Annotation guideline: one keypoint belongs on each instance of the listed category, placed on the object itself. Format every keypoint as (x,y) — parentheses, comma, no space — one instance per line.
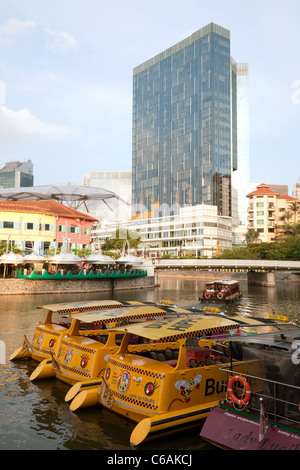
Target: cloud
(22,125)
(60,41)
(13,29)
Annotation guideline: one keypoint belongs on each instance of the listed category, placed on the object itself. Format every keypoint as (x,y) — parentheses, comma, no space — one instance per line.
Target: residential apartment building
(267,210)
(185,124)
(44,224)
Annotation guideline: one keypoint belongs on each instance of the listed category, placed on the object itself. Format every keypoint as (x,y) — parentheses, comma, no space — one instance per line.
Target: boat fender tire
(220,295)
(207,295)
(246,386)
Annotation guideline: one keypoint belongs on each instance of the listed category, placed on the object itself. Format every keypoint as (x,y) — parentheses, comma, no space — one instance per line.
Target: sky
(66,71)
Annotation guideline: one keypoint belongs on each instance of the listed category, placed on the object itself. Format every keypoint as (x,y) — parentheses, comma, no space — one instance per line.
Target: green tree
(252,235)
(116,241)
(295,208)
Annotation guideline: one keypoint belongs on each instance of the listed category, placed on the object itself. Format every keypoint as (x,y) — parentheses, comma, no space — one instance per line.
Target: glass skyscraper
(182,133)
(240,137)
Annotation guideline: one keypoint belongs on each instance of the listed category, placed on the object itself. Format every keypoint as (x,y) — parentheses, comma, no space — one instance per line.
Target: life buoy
(246,386)
(220,295)
(207,295)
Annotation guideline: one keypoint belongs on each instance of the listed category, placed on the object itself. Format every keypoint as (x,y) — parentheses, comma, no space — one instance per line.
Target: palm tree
(287,216)
(252,235)
(295,207)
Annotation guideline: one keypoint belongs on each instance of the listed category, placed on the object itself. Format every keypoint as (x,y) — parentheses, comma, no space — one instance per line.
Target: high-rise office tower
(182,133)
(17,174)
(240,139)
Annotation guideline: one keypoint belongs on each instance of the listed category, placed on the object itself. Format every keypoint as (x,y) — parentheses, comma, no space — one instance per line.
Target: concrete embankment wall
(26,286)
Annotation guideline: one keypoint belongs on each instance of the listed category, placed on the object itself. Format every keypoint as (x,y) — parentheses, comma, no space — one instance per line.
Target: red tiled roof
(45,207)
(288,198)
(262,190)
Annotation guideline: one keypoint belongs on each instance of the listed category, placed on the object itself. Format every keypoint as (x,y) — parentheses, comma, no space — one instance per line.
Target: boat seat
(161,357)
(192,363)
(169,354)
(224,359)
(153,355)
(171,362)
(209,362)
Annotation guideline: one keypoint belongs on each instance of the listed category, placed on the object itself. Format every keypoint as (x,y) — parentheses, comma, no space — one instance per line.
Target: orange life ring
(220,295)
(247,389)
(207,295)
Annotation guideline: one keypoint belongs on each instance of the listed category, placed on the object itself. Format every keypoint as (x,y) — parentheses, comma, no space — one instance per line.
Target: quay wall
(30,286)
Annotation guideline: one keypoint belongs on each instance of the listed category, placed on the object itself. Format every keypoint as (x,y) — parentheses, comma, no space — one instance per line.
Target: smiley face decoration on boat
(124,381)
(68,356)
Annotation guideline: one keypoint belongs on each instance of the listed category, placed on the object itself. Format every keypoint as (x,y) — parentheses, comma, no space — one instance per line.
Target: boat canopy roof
(283,338)
(127,313)
(181,327)
(71,307)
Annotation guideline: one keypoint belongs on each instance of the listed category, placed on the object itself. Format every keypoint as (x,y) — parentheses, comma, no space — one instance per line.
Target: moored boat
(261,408)
(169,384)
(83,349)
(221,291)
(48,333)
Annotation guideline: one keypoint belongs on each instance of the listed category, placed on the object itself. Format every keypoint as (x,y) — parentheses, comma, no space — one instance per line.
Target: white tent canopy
(69,194)
(65,258)
(99,258)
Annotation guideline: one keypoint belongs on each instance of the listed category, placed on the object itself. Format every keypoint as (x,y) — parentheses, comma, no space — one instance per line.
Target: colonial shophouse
(44,224)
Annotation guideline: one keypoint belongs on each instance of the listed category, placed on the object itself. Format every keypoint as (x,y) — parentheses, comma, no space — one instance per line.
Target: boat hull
(228,429)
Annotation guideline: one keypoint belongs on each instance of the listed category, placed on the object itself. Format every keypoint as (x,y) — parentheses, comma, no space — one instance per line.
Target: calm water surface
(33,415)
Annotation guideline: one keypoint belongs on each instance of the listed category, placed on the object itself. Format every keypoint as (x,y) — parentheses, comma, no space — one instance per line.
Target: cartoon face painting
(186,387)
(123,381)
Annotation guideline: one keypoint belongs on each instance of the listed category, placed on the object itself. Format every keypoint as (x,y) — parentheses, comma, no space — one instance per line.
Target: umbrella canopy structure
(34,258)
(72,195)
(11,258)
(130,260)
(99,258)
(65,258)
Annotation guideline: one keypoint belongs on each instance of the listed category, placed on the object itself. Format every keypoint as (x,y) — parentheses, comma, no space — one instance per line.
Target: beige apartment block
(268,210)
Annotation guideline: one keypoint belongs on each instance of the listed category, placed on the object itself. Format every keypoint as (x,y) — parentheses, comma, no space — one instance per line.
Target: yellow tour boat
(172,381)
(48,333)
(83,348)
(167,384)
(91,380)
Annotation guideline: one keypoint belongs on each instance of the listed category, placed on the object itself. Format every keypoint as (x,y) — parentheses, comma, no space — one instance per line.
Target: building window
(86,231)
(30,226)
(61,228)
(260,213)
(74,229)
(8,225)
(259,204)
(47,227)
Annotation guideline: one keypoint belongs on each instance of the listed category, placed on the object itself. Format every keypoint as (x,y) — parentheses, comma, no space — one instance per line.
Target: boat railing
(281,400)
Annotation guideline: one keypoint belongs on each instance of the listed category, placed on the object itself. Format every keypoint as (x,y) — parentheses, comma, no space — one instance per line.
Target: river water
(34,415)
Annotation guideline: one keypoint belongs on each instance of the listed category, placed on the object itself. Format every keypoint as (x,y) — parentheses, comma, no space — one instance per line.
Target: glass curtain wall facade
(240,137)
(182,124)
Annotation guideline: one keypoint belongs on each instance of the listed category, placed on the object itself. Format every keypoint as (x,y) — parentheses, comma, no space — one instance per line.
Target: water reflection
(35,415)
